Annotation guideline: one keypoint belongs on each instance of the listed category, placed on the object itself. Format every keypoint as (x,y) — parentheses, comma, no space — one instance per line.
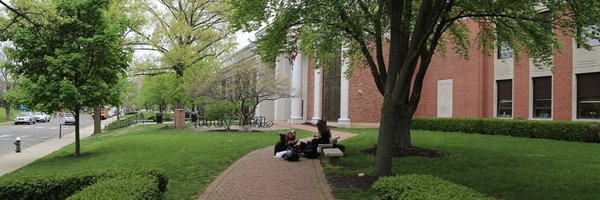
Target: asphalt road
(36,133)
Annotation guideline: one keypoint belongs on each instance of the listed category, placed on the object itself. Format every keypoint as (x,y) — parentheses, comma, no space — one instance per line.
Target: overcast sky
(243,39)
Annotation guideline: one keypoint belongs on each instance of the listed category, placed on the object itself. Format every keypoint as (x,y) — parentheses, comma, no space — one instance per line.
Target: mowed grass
(501,166)
(192,159)
(11,117)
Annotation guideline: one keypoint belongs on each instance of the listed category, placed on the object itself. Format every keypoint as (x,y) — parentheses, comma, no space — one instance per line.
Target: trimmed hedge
(422,187)
(557,130)
(136,187)
(65,184)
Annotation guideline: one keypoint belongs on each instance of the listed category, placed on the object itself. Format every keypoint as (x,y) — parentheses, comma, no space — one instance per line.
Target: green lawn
(501,166)
(11,118)
(192,159)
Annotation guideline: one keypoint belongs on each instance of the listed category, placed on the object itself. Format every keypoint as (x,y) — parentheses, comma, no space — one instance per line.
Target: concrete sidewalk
(13,161)
(258,176)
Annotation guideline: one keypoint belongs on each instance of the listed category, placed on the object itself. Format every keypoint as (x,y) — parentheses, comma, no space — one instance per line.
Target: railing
(128,120)
(209,123)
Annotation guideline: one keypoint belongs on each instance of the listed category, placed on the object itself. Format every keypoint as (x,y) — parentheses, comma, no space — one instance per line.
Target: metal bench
(333,154)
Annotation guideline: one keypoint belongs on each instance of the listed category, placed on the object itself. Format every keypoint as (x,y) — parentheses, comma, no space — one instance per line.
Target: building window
(504,51)
(504,101)
(542,97)
(588,96)
(590,32)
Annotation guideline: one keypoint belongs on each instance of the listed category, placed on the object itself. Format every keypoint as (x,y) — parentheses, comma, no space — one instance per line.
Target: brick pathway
(260,176)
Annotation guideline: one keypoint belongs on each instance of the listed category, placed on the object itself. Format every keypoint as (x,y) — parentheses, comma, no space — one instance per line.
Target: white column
(281,107)
(317,96)
(296,105)
(344,121)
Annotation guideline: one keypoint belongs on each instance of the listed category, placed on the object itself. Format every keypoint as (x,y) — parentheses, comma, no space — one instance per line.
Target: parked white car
(42,116)
(25,117)
(69,119)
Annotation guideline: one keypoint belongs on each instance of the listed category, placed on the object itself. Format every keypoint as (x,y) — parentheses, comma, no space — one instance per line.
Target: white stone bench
(320,147)
(333,154)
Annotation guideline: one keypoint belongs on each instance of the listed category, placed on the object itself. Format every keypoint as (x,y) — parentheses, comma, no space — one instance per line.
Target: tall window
(542,97)
(504,101)
(588,96)
(504,51)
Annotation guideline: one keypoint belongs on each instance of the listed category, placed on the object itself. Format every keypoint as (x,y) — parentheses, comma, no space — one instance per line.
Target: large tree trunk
(7,110)
(97,126)
(77,144)
(388,127)
(402,137)
(245,122)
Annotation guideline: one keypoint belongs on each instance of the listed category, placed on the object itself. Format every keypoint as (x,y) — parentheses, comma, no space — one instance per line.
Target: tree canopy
(72,56)
(184,32)
(410,32)
(247,83)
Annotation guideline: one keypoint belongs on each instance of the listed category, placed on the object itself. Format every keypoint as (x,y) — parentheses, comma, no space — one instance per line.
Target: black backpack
(291,156)
(311,151)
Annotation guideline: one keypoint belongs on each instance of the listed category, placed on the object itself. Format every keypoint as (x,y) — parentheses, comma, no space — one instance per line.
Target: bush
(422,187)
(136,187)
(63,185)
(222,111)
(557,130)
(131,113)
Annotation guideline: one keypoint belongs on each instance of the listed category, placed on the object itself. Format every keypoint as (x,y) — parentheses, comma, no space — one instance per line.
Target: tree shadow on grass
(407,152)
(71,156)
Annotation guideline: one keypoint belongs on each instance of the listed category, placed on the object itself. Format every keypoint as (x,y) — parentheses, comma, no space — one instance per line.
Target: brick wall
(364,103)
(521,88)
(469,83)
(563,77)
(487,87)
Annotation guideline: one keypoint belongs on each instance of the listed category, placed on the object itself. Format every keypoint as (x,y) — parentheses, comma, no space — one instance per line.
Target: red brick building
(485,86)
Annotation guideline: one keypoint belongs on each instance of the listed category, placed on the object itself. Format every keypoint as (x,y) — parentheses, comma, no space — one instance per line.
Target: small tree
(249,83)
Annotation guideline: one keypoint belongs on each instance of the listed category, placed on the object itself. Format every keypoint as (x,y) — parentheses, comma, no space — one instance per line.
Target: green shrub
(152,116)
(422,187)
(136,187)
(223,111)
(51,186)
(167,116)
(557,130)
(65,184)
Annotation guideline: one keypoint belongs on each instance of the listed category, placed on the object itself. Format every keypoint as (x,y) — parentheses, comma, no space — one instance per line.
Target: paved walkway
(13,161)
(259,176)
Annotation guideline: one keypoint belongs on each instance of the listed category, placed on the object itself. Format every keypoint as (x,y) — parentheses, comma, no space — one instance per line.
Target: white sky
(244,38)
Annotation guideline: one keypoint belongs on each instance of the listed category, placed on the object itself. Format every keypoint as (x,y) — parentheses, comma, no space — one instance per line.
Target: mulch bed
(365,182)
(351,182)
